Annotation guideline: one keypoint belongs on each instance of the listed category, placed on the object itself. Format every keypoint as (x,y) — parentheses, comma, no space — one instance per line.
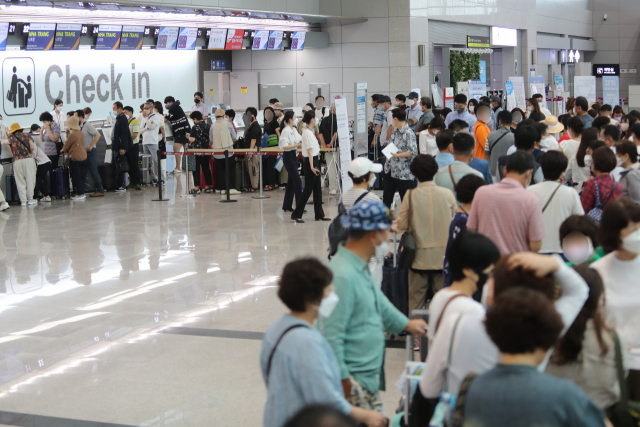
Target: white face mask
(546,143)
(471,108)
(529,108)
(328,304)
(396,103)
(579,254)
(631,243)
(59,108)
(372,180)
(383,248)
(410,102)
(624,127)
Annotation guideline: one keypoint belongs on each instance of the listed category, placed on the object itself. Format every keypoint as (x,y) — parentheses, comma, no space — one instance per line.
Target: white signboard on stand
(518,91)
(360,131)
(344,144)
(511,96)
(585,86)
(436,96)
(463,88)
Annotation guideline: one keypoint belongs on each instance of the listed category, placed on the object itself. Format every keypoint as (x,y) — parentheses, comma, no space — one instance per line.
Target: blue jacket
(120,135)
(482,166)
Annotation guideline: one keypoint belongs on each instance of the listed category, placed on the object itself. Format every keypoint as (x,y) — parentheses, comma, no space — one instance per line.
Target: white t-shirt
(621,306)
(289,136)
(427,143)
(309,140)
(473,350)
(463,304)
(149,128)
(545,111)
(40,156)
(565,203)
(570,148)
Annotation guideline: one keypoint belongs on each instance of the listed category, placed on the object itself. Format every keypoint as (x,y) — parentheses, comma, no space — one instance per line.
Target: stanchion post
(186,162)
(159,199)
(226,178)
(260,196)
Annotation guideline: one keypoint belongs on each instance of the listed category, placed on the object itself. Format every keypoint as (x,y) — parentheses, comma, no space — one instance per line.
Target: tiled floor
(124,311)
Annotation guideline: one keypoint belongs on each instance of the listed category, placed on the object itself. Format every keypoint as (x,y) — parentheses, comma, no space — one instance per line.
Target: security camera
(605,17)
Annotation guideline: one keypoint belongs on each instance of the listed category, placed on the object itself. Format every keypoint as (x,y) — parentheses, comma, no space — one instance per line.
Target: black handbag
(123,164)
(625,413)
(408,248)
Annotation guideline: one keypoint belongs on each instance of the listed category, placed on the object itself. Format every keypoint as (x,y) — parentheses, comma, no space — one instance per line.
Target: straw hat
(554,125)
(73,123)
(14,128)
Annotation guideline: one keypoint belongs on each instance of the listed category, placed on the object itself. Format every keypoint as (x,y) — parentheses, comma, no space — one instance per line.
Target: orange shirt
(480,132)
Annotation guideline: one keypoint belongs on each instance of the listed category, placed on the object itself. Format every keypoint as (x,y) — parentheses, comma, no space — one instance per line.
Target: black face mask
(196,101)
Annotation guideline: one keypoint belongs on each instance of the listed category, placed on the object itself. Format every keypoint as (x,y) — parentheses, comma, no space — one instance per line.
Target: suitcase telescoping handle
(410,352)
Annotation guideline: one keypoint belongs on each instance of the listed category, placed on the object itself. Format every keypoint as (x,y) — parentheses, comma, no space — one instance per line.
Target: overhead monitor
(297,40)
(187,38)
(67,37)
(131,38)
(260,40)
(41,36)
(108,37)
(275,40)
(234,40)
(504,36)
(167,38)
(217,38)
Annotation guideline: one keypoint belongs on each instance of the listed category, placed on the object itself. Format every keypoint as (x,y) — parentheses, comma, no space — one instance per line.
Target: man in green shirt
(355,329)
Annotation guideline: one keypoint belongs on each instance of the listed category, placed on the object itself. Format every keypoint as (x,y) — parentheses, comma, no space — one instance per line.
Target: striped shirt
(507,214)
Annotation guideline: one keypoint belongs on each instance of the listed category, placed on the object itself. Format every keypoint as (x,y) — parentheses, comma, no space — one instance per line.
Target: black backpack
(337,233)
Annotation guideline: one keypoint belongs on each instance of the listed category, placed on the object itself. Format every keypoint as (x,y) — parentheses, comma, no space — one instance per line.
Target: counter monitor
(234,39)
(41,36)
(260,40)
(167,38)
(131,38)
(297,40)
(217,38)
(108,37)
(67,37)
(275,40)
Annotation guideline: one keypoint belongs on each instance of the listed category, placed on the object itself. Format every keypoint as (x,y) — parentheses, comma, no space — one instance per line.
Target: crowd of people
(527,244)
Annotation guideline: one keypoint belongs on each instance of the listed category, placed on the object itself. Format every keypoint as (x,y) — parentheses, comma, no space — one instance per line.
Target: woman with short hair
(297,363)
(24,167)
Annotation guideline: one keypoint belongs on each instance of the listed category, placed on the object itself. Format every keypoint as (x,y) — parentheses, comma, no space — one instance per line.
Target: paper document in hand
(389,150)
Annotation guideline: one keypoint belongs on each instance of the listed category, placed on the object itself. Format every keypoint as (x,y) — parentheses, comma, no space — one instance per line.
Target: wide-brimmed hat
(73,123)
(14,128)
(367,215)
(278,106)
(554,125)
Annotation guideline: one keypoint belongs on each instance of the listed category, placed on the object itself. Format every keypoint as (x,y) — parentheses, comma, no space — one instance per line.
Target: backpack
(596,213)
(272,140)
(337,233)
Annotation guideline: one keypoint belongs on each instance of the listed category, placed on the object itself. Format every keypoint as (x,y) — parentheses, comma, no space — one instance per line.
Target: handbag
(625,413)
(123,164)
(407,253)
(596,213)
(190,161)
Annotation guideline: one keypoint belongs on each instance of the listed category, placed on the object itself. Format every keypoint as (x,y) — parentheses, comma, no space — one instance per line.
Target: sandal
(268,188)
(250,190)
(194,192)
(207,190)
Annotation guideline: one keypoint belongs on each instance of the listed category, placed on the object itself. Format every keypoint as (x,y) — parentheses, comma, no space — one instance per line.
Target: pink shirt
(507,214)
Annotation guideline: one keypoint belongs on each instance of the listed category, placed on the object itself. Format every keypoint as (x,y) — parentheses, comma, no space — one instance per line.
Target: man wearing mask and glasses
(460,103)
(414,112)
(199,105)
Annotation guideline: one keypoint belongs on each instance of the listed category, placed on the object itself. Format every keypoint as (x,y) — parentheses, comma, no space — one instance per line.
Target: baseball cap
(384,98)
(219,112)
(413,95)
(362,166)
(367,215)
(494,98)
(278,106)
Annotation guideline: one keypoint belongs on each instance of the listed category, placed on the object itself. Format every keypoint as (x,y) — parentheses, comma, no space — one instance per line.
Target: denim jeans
(78,175)
(92,166)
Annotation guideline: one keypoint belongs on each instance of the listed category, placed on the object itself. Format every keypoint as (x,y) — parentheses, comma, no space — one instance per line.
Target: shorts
(363,398)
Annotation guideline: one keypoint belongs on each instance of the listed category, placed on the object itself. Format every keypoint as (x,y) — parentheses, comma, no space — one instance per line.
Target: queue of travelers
(529,281)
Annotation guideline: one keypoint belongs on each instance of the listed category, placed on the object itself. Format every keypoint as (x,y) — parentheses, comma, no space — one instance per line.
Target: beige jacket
(433,209)
(220,136)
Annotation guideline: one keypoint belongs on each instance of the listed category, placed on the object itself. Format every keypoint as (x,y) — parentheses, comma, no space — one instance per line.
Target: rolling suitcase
(60,183)
(145,175)
(89,183)
(107,173)
(11,190)
(395,282)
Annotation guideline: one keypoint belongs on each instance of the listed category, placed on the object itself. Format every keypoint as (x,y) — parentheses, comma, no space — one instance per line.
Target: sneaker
(234,191)
(225,192)
(32,202)
(137,187)
(23,204)
(79,198)
(121,190)
(4,206)
(332,193)
(46,199)
(417,346)
(97,194)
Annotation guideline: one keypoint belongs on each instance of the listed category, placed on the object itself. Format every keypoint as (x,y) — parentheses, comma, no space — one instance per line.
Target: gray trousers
(152,149)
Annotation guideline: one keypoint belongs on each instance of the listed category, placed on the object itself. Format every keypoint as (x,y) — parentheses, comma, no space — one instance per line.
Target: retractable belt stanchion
(186,191)
(159,199)
(226,178)
(260,196)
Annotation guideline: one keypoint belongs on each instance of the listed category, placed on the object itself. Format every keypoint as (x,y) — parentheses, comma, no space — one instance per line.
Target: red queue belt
(209,152)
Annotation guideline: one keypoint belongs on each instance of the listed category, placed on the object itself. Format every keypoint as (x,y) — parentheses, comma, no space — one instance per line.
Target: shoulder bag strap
(550,198)
(445,309)
(452,179)
(598,202)
(497,140)
(624,393)
(360,197)
(450,353)
(457,418)
(276,346)
(410,210)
